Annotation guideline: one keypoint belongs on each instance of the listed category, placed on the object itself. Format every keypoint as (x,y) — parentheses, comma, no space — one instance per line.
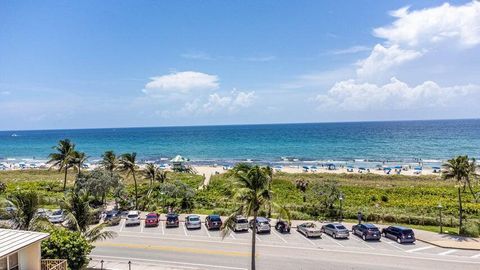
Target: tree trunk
(471,189)
(65,179)
(254,235)
(136,192)
(460,217)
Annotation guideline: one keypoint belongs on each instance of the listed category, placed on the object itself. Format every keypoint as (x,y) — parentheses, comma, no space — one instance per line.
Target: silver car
(309,229)
(57,216)
(335,230)
(133,218)
(193,222)
(241,224)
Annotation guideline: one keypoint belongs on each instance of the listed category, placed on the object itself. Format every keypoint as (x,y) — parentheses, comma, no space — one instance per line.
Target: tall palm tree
(472,175)
(128,165)
(109,161)
(78,159)
(62,158)
(80,217)
(302,185)
(252,194)
(268,171)
(457,169)
(24,214)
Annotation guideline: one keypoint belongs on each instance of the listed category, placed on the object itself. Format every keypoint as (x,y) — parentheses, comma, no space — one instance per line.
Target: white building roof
(14,240)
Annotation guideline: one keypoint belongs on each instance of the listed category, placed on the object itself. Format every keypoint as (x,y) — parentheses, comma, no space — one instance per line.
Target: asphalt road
(179,248)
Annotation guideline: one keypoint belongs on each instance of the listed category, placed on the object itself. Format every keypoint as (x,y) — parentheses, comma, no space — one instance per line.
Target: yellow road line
(174,249)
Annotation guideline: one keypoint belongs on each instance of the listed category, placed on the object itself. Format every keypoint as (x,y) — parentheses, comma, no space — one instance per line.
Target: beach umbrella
(179,159)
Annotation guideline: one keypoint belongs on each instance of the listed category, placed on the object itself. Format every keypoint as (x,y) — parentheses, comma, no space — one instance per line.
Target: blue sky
(66,64)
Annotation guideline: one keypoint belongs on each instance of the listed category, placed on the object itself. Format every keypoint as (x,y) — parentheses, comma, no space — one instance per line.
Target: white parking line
(333,240)
(231,234)
(256,236)
(355,238)
(447,252)
(160,224)
(279,236)
(185,230)
(306,238)
(476,256)
(122,224)
(393,244)
(142,227)
(208,233)
(420,248)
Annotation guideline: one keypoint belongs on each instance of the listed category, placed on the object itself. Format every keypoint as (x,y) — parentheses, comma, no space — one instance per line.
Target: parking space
(292,239)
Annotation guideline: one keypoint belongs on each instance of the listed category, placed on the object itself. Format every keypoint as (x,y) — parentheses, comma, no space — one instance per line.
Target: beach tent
(330,166)
(436,169)
(178,163)
(349,168)
(417,170)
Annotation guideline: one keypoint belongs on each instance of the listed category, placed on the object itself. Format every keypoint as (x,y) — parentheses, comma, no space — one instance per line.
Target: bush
(384,198)
(472,228)
(69,245)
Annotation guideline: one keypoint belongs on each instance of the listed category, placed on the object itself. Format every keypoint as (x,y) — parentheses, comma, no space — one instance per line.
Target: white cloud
(351,50)
(197,56)
(260,58)
(217,102)
(351,95)
(383,58)
(181,82)
(433,25)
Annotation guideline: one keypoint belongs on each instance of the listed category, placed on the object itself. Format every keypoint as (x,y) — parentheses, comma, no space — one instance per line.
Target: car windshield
(171,217)
(194,219)
(214,218)
(132,216)
(242,220)
(341,227)
(152,216)
(310,225)
(407,232)
(57,213)
(373,229)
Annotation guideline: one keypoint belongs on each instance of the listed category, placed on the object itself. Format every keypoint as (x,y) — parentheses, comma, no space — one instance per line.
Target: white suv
(133,218)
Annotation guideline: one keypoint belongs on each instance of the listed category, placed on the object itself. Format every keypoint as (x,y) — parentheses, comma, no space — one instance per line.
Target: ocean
(402,141)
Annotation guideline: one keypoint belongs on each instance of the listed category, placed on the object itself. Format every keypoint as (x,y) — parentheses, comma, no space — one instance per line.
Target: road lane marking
(419,249)
(417,255)
(171,262)
(142,227)
(447,252)
(174,249)
(279,236)
(231,234)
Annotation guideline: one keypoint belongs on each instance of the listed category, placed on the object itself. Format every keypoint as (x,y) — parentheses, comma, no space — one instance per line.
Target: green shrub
(472,228)
(69,245)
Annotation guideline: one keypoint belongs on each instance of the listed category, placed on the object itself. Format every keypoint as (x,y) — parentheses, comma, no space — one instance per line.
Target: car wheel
(399,240)
(334,236)
(307,235)
(364,237)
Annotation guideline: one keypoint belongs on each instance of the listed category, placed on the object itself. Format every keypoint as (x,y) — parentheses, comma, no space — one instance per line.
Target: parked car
(335,230)
(262,225)
(112,218)
(193,222)
(213,222)
(133,218)
(96,217)
(399,233)
(282,226)
(172,220)
(309,229)
(367,231)
(42,213)
(151,220)
(241,224)
(57,216)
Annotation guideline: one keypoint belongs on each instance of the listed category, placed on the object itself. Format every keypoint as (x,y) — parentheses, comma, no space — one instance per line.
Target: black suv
(399,233)
(172,220)
(367,231)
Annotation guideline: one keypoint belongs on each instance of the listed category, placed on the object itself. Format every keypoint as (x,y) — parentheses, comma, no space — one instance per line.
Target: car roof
(400,227)
(133,212)
(216,216)
(193,216)
(172,215)
(369,225)
(262,219)
(152,214)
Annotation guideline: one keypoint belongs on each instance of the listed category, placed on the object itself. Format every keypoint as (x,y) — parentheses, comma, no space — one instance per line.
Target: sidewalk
(448,241)
(122,264)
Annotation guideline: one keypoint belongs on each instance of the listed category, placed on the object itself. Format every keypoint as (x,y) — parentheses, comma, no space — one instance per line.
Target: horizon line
(238,124)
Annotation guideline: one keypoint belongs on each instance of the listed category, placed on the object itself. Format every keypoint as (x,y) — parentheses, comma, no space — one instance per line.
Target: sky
(93,64)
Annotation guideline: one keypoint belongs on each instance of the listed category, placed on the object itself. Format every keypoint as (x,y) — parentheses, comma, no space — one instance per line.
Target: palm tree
(24,214)
(78,159)
(62,159)
(150,173)
(128,165)
(109,161)
(80,217)
(268,171)
(161,176)
(457,169)
(302,185)
(253,194)
(472,173)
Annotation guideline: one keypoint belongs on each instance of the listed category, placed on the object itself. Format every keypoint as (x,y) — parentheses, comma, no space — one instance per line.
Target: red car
(152,220)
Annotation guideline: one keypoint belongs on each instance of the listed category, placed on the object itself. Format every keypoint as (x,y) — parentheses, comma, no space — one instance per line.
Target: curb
(446,246)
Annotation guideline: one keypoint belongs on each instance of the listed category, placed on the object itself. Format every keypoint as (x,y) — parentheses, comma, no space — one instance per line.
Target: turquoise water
(378,141)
